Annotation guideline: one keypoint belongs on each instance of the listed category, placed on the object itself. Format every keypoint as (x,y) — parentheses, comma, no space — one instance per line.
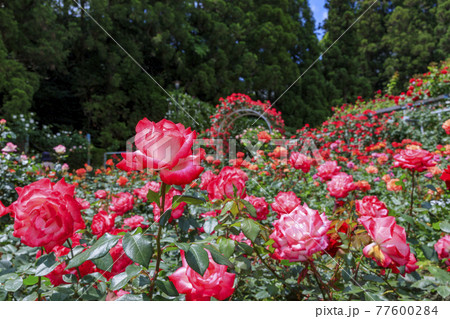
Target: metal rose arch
(237,106)
(237,114)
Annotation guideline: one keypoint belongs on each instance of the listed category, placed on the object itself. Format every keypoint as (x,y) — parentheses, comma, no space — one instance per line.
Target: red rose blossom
(341,185)
(327,170)
(122,203)
(261,206)
(414,160)
(389,247)
(102,222)
(300,234)
(216,282)
(226,182)
(300,161)
(285,202)
(371,206)
(46,214)
(167,147)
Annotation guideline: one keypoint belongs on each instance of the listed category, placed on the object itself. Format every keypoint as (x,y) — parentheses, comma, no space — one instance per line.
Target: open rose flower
(389,247)
(206,178)
(341,185)
(300,234)
(101,194)
(60,149)
(167,147)
(414,159)
(392,186)
(300,161)
(264,137)
(285,202)
(327,170)
(102,222)
(46,214)
(261,206)
(134,222)
(371,206)
(216,282)
(9,148)
(226,182)
(442,248)
(122,203)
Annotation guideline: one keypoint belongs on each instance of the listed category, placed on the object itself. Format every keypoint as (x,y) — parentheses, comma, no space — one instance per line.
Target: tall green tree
(442,30)
(410,38)
(343,64)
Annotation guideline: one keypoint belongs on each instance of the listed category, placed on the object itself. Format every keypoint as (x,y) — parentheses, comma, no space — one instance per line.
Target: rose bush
(356,210)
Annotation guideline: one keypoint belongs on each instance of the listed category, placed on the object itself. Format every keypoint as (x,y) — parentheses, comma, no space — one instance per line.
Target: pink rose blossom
(341,185)
(300,234)
(442,248)
(216,282)
(371,206)
(389,247)
(285,202)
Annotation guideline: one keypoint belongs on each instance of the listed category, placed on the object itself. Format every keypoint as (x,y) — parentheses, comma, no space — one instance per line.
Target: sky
(320,13)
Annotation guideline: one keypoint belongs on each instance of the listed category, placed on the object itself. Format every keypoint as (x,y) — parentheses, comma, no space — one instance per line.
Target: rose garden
(356,209)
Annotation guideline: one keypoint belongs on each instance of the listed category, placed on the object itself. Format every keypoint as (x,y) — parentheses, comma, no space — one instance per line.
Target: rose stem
(158,240)
(319,280)
(71,250)
(412,197)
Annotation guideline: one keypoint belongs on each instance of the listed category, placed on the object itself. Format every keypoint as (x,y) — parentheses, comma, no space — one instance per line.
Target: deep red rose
(121,261)
(446,177)
(46,214)
(56,276)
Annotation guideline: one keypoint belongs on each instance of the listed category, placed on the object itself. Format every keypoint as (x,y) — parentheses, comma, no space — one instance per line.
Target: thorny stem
(384,279)
(267,265)
(158,240)
(71,251)
(319,281)
(412,197)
